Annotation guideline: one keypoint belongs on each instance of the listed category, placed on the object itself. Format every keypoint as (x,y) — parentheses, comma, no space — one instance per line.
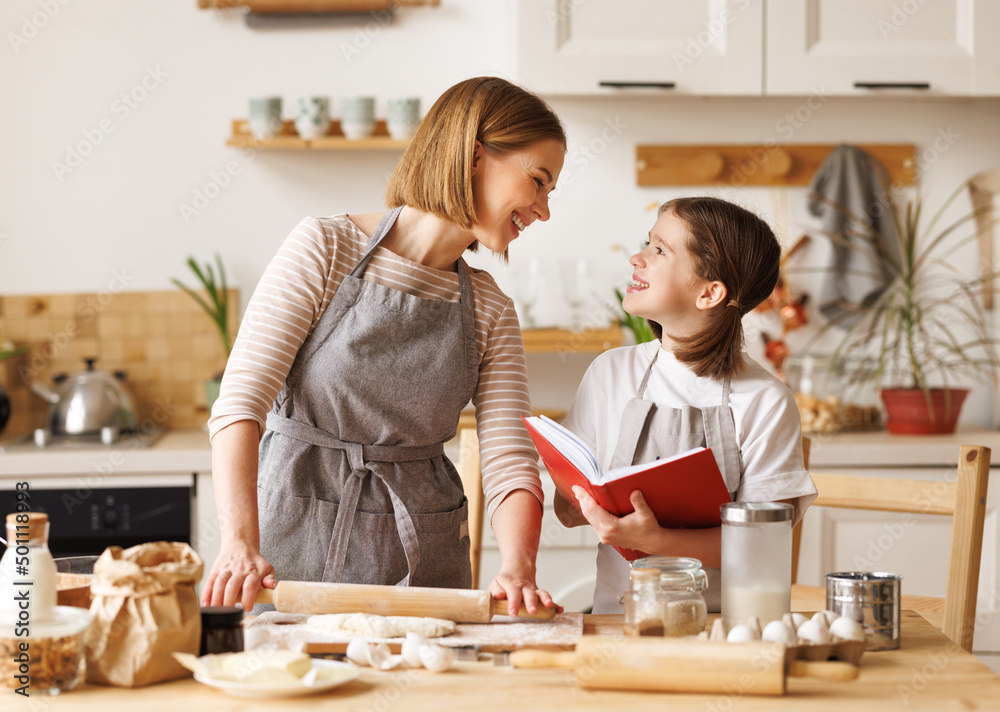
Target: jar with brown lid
(645,604)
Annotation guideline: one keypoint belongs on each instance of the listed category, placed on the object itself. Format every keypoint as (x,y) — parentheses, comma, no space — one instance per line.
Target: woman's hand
(238,573)
(519,586)
(638,530)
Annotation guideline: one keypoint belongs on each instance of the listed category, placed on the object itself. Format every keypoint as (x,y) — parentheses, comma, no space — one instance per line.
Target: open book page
(620,472)
(570,445)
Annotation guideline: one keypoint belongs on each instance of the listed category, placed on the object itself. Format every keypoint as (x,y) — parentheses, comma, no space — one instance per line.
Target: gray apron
(648,432)
(353,483)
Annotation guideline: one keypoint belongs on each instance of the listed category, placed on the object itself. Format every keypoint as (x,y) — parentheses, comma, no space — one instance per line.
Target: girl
(365,338)
(707,263)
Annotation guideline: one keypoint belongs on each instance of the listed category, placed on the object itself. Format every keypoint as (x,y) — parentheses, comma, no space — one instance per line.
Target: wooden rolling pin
(454,604)
(668,665)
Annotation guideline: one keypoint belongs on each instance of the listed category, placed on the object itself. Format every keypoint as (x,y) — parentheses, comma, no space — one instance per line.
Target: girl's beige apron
(648,432)
(353,483)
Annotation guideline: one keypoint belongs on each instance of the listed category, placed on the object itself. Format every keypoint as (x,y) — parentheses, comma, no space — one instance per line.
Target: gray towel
(847,195)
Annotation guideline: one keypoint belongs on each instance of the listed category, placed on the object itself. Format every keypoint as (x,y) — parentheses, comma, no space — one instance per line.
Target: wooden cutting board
(562,632)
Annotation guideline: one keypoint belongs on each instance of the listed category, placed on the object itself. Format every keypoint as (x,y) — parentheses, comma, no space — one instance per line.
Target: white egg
(778,632)
(815,632)
(798,619)
(847,629)
(825,617)
(741,634)
(436,658)
(357,651)
(411,648)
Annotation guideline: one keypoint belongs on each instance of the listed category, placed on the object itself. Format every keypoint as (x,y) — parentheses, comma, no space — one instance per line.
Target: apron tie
(363,460)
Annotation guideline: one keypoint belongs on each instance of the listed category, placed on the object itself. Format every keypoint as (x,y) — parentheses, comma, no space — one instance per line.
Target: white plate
(335,673)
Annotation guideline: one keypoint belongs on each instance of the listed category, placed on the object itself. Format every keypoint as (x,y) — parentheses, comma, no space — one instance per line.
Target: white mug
(312,116)
(265,117)
(357,116)
(402,117)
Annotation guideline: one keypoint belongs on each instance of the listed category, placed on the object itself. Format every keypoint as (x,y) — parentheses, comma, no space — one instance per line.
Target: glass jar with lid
(682,579)
(645,604)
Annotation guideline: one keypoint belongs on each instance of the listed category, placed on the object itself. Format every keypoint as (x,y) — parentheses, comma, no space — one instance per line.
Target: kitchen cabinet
(760,47)
(915,546)
(860,47)
(660,46)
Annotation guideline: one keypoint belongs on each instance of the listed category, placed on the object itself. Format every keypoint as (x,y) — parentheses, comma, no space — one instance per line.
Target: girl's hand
(238,573)
(519,586)
(638,530)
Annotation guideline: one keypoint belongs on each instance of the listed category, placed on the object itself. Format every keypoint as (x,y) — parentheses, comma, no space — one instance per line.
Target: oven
(88,514)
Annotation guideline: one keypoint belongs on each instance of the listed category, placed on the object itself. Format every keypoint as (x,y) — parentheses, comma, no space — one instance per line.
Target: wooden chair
(964,500)
(472,481)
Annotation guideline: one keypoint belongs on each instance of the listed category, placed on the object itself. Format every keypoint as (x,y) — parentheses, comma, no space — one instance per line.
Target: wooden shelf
(564,341)
(288,139)
(769,164)
(468,417)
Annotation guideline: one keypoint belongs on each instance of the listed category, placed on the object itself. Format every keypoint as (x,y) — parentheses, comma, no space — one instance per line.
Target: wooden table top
(929,672)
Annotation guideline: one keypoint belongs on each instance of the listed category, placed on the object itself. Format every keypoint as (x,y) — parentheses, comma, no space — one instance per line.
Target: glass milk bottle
(756,561)
(27,571)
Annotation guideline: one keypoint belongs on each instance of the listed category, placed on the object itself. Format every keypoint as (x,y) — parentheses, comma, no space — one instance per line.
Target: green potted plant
(215,302)
(926,334)
(7,350)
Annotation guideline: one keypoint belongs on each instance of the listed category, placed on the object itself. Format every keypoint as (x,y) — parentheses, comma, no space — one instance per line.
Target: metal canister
(872,599)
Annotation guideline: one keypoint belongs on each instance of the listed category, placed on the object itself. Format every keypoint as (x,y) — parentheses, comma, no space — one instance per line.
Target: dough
(373,626)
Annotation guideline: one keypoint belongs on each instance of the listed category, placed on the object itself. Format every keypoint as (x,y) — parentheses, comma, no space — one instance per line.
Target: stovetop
(139,440)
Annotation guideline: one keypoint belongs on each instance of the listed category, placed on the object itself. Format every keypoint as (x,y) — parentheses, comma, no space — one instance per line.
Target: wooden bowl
(73,589)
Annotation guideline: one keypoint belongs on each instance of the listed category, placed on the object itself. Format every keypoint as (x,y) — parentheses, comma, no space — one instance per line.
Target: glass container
(682,580)
(645,604)
(756,561)
(828,402)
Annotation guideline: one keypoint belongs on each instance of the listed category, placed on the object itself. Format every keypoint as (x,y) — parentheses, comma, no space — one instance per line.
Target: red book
(684,491)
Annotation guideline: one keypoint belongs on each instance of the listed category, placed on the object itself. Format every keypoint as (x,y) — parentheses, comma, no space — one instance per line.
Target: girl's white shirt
(767,420)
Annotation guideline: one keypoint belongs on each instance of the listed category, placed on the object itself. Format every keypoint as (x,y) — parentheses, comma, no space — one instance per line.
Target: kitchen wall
(116,169)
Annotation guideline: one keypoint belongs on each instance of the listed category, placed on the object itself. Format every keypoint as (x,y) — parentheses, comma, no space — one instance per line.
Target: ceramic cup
(402,117)
(357,116)
(312,116)
(265,117)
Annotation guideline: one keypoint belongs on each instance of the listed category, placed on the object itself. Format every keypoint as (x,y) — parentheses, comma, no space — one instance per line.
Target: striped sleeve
(509,461)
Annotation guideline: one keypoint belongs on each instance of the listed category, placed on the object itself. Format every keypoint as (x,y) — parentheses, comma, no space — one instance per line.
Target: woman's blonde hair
(435,172)
(732,245)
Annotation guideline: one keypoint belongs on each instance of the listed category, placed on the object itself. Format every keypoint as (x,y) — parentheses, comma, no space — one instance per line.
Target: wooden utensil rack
(288,138)
(741,165)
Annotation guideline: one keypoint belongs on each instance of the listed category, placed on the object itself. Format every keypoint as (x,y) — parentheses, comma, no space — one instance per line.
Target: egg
(778,632)
(798,619)
(380,657)
(847,629)
(410,648)
(814,632)
(741,634)
(436,658)
(825,617)
(357,651)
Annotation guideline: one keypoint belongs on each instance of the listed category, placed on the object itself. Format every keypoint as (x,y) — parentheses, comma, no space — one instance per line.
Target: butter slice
(260,666)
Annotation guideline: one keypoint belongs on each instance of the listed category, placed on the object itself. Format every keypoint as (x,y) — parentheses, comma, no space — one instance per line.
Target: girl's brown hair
(733,246)
(435,172)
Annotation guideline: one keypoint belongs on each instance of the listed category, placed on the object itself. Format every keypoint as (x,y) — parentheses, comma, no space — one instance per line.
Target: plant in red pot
(925,338)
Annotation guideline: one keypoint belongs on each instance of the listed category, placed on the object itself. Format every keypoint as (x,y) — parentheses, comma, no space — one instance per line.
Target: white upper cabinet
(916,47)
(670,46)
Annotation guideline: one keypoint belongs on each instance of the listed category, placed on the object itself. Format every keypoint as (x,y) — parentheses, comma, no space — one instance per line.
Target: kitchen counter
(882,449)
(174,451)
(927,673)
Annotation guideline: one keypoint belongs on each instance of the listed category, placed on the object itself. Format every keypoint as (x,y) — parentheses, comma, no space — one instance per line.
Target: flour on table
(373,626)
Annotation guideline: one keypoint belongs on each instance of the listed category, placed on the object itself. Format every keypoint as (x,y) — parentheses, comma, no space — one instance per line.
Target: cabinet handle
(638,85)
(892,85)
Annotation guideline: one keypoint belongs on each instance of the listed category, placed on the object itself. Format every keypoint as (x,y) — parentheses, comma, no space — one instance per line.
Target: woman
(365,338)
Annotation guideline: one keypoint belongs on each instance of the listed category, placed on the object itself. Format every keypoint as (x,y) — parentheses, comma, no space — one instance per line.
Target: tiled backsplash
(165,343)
